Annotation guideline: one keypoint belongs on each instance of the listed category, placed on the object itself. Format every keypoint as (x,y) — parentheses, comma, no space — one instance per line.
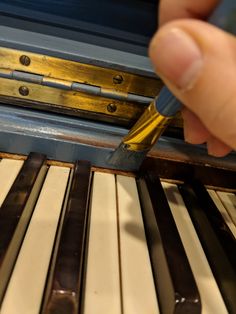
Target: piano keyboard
(73,241)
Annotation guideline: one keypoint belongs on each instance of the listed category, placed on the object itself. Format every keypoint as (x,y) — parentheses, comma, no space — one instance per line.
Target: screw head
(111,108)
(25,60)
(24,91)
(118,79)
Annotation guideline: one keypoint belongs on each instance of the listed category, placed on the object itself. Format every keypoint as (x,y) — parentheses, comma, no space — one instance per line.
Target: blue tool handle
(166,103)
(224,17)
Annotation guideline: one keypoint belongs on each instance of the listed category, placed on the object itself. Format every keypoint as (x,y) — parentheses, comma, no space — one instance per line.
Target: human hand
(197,62)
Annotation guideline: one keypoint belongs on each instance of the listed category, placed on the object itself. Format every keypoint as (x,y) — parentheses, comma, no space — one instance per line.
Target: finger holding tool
(134,147)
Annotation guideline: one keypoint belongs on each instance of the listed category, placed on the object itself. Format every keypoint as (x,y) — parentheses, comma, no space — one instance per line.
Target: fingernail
(187,133)
(216,148)
(188,136)
(177,57)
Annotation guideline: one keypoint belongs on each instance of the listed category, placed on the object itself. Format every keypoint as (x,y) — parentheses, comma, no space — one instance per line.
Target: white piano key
(9,169)
(102,287)
(229,202)
(25,289)
(211,298)
(223,211)
(139,295)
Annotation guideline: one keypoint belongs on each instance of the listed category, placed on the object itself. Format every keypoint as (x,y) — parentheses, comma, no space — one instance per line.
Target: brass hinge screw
(118,79)
(111,108)
(25,60)
(24,91)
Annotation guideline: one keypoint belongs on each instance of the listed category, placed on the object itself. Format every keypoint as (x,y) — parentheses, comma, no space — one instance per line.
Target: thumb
(198,63)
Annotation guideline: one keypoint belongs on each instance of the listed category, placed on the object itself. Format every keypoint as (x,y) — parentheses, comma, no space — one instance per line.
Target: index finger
(171,9)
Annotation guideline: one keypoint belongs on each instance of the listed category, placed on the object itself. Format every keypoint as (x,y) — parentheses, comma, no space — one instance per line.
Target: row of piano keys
(76,242)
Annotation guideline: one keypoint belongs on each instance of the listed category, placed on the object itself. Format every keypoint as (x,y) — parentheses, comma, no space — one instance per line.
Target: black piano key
(16,212)
(63,290)
(224,272)
(222,231)
(176,287)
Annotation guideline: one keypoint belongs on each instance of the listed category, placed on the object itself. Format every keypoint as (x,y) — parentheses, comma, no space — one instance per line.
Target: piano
(76,236)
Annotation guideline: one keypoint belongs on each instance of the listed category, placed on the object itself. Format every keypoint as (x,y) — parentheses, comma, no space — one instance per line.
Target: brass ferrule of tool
(144,134)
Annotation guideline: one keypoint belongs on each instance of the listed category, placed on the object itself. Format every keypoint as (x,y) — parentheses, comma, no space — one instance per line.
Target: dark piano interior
(123,25)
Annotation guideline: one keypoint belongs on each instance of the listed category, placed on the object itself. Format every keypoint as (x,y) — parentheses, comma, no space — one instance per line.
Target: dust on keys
(76,241)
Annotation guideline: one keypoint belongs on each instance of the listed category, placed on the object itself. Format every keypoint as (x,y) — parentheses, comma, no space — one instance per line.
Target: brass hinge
(48,83)
(74,86)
